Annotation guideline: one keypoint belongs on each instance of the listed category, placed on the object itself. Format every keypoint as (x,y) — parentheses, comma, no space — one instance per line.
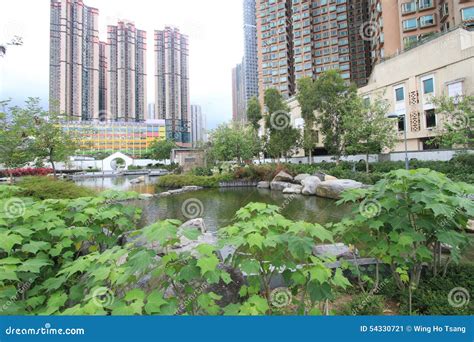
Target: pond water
(218,206)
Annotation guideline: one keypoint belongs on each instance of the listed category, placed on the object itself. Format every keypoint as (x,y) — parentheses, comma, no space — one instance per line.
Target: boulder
(320,175)
(334,188)
(309,185)
(299,178)
(194,223)
(470,226)
(164,194)
(282,176)
(229,292)
(191,188)
(279,186)
(329,177)
(338,250)
(146,196)
(175,191)
(293,189)
(263,185)
(137,180)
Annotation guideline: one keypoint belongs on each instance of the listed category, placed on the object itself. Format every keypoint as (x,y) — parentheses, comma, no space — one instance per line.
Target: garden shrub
(364,305)
(43,187)
(28,171)
(178,181)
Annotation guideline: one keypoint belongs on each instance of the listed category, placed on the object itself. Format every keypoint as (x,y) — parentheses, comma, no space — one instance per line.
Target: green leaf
(255,239)
(55,302)
(300,247)
(208,264)
(319,273)
(34,265)
(8,275)
(8,240)
(340,280)
(34,246)
(191,233)
(250,266)
(155,301)
(135,294)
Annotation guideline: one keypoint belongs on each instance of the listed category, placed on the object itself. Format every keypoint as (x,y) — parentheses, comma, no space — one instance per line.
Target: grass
(178,181)
(43,187)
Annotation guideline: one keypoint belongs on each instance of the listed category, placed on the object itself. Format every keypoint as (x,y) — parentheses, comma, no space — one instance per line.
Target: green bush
(364,305)
(178,181)
(43,187)
(201,171)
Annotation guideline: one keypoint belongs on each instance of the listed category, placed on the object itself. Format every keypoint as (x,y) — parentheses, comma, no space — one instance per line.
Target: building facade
(198,126)
(103,81)
(238,94)
(74,60)
(172,100)
(126,57)
(402,24)
(131,138)
(250,62)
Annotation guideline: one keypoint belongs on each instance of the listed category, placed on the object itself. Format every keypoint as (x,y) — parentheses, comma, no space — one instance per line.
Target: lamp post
(396,116)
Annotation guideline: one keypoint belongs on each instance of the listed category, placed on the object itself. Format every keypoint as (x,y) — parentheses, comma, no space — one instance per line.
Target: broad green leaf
(208,264)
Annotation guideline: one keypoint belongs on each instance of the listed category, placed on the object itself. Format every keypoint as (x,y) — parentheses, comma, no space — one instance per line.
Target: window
(399,94)
(430,118)
(455,89)
(410,24)
(401,123)
(424,4)
(428,85)
(427,20)
(409,7)
(467,14)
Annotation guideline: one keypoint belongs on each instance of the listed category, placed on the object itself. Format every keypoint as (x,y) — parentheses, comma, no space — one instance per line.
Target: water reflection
(120,183)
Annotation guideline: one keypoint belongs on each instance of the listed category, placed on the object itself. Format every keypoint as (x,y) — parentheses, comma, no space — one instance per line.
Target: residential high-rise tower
(172,82)
(250,63)
(126,56)
(74,60)
(238,94)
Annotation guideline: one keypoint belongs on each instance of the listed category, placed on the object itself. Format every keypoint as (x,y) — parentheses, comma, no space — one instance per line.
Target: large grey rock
(137,180)
(191,188)
(334,188)
(279,186)
(282,176)
(320,175)
(263,185)
(338,250)
(299,178)
(329,177)
(293,189)
(197,223)
(229,292)
(146,196)
(309,185)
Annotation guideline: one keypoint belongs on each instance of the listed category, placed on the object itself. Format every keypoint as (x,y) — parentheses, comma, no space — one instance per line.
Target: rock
(320,175)
(470,226)
(263,185)
(293,189)
(137,180)
(164,194)
(301,177)
(338,250)
(186,244)
(309,185)
(279,186)
(191,188)
(334,188)
(175,191)
(146,196)
(329,177)
(282,176)
(194,223)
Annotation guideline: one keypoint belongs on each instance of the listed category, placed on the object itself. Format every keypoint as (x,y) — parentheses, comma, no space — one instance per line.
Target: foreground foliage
(42,187)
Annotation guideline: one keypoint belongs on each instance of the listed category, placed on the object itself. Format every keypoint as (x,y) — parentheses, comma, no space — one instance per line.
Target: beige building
(74,59)
(238,94)
(409,81)
(126,58)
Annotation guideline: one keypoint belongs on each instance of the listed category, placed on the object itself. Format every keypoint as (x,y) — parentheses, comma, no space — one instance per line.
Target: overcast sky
(215,43)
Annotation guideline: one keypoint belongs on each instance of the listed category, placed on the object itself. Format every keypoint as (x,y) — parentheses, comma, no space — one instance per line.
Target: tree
(161,149)
(306,99)
(281,137)
(235,141)
(50,139)
(254,113)
(336,103)
(15,41)
(15,139)
(371,131)
(458,115)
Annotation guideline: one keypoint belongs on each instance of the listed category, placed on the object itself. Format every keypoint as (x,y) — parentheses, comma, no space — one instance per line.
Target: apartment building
(402,24)
(103,81)
(198,125)
(250,62)
(172,100)
(126,57)
(238,94)
(74,60)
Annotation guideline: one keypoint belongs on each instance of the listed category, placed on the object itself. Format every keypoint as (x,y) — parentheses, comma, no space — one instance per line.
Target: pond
(218,206)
